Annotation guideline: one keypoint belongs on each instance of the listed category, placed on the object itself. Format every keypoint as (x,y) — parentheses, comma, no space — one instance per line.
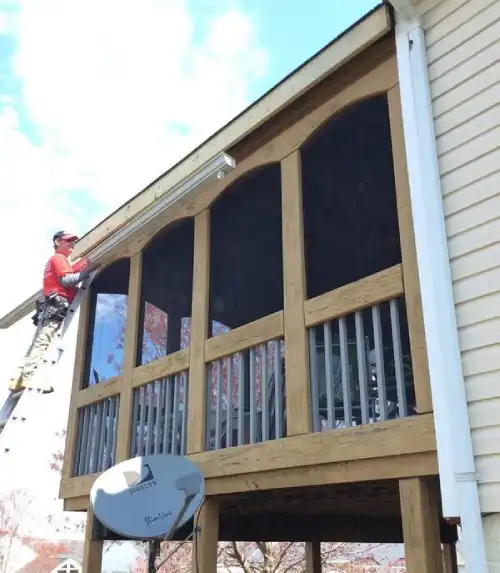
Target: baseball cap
(65,236)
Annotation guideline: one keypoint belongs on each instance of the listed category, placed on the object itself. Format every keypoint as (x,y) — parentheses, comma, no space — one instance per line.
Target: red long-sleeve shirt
(57,267)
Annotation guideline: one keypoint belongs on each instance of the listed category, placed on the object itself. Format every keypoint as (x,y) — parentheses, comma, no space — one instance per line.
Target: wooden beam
(389,450)
(98,392)
(161,368)
(78,369)
(313,557)
(421,528)
(298,395)
(247,336)
(197,388)
(383,440)
(410,465)
(92,549)
(206,539)
(397,466)
(336,528)
(409,257)
(129,359)
(76,503)
(365,292)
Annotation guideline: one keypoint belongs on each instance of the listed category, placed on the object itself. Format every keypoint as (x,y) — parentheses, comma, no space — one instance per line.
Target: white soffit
(370,29)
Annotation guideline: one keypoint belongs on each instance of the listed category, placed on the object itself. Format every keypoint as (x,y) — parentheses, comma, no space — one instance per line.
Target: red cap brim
(69,238)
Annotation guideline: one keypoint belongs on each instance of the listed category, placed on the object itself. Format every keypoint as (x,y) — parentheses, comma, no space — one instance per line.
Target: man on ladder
(60,278)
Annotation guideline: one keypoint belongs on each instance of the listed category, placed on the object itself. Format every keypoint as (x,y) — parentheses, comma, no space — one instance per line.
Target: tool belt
(50,307)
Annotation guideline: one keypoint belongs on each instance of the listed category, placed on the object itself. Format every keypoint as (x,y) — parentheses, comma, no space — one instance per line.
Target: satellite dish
(148,497)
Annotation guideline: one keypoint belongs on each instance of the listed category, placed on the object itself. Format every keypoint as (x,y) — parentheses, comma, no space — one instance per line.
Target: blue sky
(99,98)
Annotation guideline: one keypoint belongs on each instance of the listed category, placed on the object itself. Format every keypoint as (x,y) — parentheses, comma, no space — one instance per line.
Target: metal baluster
(218,404)
(142,417)
(241,399)
(115,404)
(264,391)
(159,415)
(102,437)
(135,422)
(398,359)
(175,414)
(184,377)
(97,438)
(313,373)
(253,396)
(278,392)
(362,368)
(330,390)
(79,445)
(344,367)
(149,418)
(379,363)
(168,416)
(229,411)
(85,438)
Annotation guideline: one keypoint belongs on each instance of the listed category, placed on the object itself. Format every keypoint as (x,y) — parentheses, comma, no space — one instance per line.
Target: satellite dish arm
(190,484)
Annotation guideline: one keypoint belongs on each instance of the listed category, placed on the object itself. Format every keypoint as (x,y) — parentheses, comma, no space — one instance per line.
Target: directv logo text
(135,483)
(149,519)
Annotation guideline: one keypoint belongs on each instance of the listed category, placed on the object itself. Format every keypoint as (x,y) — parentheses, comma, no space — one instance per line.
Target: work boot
(15,383)
(26,383)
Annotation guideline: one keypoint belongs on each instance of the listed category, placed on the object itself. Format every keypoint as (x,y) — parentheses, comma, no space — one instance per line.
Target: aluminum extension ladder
(17,407)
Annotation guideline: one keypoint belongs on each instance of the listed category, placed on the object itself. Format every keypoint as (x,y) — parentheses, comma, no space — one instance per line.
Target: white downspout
(453,436)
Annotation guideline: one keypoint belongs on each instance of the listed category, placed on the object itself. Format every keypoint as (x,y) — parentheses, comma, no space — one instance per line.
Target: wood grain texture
(297,384)
(197,393)
(409,258)
(124,431)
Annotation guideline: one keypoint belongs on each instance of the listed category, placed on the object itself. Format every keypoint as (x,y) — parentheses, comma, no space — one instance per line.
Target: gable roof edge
(349,44)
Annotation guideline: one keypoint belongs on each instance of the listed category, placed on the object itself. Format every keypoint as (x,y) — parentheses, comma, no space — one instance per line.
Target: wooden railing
(359,376)
(355,377)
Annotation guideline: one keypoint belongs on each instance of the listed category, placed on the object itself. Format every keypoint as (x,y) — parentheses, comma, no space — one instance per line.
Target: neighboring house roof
(51,556)
(41,565)
(350,43)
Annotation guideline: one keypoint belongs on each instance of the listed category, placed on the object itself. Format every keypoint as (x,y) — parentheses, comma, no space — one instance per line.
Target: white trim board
(362,35)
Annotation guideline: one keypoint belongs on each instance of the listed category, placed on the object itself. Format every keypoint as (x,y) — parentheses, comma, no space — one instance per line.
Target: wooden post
(197,392)
(409,258)
(205,545)
(78,368)
(129,359)
(92,550)
(421,530)
(313,557)
(450,564)
(298,399)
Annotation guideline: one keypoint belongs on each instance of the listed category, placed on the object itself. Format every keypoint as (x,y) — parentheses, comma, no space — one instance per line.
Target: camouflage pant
(34,358)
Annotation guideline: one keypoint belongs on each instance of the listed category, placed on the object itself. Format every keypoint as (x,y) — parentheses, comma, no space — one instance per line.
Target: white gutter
(214,169)
(459,489)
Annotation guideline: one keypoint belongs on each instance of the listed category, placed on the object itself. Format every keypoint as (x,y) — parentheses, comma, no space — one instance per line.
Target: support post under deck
(450,558)
(313,557)
(206,539)
(92,550)
(421,531)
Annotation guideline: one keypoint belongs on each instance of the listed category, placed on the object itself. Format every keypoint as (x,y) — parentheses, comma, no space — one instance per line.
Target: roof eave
(353,41)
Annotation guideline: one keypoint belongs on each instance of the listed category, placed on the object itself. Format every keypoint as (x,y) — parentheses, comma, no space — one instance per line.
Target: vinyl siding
(463,49)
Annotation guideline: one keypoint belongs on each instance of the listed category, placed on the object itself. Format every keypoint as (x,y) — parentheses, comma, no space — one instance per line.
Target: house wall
(463,50)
